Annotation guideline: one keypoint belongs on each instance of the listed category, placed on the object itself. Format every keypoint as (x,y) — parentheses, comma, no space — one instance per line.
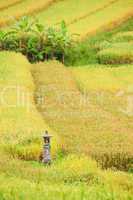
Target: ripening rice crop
(74,177)
(121,9)
(116,55)
(5,4)
(102,77)
(21,126)
(71,10)
(82,125)
(26,7)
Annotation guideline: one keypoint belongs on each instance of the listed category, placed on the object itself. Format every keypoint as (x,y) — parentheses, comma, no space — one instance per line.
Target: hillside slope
(82,123)
(83,17)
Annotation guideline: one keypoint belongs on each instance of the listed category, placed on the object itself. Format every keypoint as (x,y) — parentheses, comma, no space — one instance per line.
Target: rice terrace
(66,100)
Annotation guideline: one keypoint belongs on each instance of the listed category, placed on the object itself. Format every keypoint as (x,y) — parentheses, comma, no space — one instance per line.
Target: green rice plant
(116,55)
(85,52)
(126,36)
(118,45)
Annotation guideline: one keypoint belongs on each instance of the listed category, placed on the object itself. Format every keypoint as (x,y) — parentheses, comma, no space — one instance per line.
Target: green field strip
(71,10)
(114,13)
(26,7)
(116,55)
(120,45)
(126,36)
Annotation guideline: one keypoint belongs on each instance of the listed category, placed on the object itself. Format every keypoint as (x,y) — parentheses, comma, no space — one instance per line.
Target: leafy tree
(37,42)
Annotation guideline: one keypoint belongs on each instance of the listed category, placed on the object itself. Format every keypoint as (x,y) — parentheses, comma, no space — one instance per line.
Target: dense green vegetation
(41,43)
(86,51)
(37,42)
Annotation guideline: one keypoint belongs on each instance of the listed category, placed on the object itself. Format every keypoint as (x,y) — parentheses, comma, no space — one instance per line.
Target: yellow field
(83,17)
(88,109)
(101,77)
(71,10)
(72,177)
(5,4)
(83,125)
(19,119)
(26,7)
(121,9)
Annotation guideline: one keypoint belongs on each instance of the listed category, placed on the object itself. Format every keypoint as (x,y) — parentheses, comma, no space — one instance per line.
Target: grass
(71,178)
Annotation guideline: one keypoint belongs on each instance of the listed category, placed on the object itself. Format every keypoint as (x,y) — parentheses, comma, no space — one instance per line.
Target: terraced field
(87,107)
(83,17)
(71,10)
(68,110)
(26,7)
(126,36)
(5,4)
(119,50)
(114,13)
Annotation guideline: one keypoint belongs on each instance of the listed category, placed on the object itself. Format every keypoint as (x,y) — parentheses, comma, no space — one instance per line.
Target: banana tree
(2,39)
(7,42)
(21,31)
